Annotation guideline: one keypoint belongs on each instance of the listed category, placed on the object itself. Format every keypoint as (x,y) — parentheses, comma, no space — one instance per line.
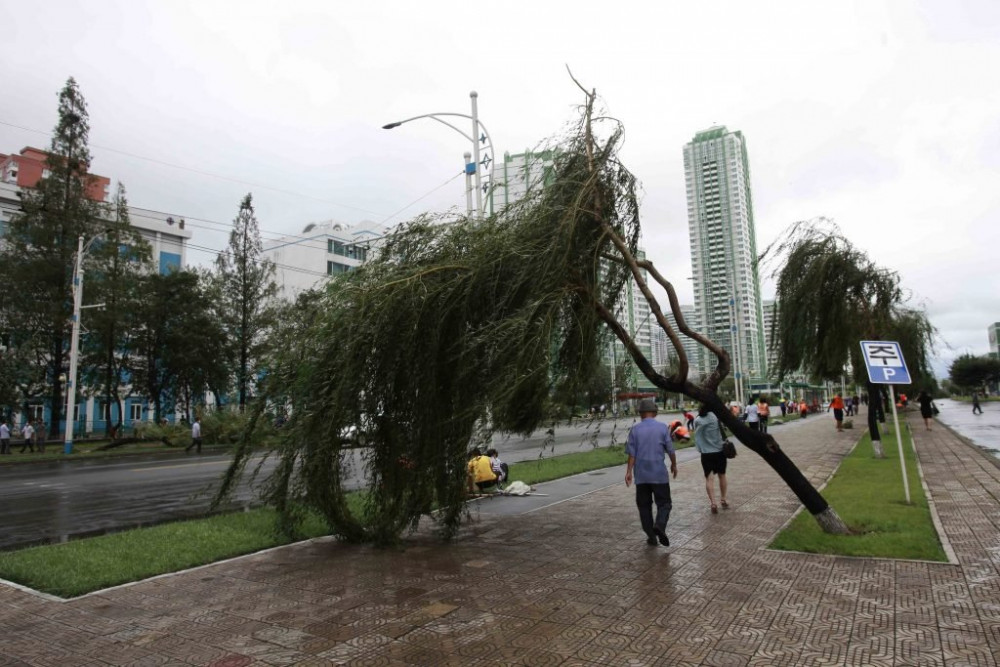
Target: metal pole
(469,167)
(899,441)
(475,151)
(74,348)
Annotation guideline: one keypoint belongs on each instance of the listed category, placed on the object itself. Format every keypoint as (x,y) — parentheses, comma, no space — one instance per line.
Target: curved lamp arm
(434,116)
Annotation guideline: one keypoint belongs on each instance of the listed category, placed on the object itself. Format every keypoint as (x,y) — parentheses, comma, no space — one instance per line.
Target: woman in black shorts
(708,441)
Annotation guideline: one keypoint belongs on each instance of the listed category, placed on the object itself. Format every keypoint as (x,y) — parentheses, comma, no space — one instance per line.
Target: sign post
(886,365)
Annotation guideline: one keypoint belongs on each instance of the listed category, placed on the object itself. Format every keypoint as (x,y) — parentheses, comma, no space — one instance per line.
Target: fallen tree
(459,328)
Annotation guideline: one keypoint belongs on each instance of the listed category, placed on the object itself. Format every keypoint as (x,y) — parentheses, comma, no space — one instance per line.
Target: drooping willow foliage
(455,327)
(832,295)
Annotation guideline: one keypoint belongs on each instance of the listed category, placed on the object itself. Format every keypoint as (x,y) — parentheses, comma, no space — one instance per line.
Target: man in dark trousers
(195,436)
(648,442)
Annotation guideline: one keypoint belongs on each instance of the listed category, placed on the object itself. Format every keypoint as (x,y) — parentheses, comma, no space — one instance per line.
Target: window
(135,412)
(338,248)
(333,268)
(35,412)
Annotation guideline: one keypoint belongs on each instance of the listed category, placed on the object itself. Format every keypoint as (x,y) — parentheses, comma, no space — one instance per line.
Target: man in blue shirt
(648,441)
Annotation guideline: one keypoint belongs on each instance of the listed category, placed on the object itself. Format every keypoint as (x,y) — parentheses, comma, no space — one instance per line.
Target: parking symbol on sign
(885,362)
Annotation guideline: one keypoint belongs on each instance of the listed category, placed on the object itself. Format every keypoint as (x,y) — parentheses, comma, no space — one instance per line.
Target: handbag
(729,449)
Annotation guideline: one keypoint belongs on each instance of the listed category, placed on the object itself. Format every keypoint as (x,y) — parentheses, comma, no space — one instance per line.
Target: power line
(202,172)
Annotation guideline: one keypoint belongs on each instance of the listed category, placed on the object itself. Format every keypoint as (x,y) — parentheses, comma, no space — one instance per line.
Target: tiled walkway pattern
(574,584)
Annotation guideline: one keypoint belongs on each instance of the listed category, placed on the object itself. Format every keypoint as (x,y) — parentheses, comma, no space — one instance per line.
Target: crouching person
(481,473)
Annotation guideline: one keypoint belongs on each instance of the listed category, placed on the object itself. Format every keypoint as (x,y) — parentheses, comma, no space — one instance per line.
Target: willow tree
(460,328)
(831,296)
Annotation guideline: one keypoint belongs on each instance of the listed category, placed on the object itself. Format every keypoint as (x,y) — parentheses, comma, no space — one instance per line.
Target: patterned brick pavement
(573,584)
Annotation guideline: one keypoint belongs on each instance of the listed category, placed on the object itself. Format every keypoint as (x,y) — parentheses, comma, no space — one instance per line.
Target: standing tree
(462,327)
(36,259)
(178,344)
(972,373)
(116,265)
(831,296)
(247,287)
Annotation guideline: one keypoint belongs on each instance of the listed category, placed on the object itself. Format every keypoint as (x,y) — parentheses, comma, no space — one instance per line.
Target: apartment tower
(727,304)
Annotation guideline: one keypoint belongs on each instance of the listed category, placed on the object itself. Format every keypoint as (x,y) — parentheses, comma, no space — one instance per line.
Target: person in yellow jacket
(481,472)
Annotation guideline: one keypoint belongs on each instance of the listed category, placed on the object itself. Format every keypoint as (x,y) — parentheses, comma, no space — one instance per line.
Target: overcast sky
(884,116)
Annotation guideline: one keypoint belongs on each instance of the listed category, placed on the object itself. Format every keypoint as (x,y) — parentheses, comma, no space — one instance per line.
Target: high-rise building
(723,251)
(993,331)
(520,174)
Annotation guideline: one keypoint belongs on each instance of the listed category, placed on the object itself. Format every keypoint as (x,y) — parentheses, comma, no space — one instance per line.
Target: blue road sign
(885,362)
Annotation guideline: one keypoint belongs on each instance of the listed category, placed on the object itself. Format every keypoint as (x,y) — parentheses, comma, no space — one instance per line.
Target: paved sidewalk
(570,584)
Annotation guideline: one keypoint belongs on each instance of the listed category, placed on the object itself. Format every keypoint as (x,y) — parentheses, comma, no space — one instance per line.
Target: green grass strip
(868,494)
(81,566)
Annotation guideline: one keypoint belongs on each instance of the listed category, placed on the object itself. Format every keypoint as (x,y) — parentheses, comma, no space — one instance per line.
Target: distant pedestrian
(28,433)
(763,413)
(848,408)
(926,408)
(689,418)
(975,404)
(837,405)
(195,436)
(784,406)
(752,415)
(708,442)
(41,435)
(803,409)
(856,404)
(4,438)
(648,442)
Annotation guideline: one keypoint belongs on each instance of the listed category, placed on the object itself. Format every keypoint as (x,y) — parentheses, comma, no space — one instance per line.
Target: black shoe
(651,540)
(664,540)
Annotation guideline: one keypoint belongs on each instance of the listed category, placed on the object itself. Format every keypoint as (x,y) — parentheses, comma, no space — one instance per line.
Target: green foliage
(37,256)
(179,342)
(456,328)
(115,265)
(831,296)
(972,373)
(868,493)
(245,288)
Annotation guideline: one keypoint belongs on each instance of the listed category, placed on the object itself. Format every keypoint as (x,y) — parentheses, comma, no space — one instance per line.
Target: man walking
(975,404)
(4,438)
(195,436)
(29,437)
(647,442)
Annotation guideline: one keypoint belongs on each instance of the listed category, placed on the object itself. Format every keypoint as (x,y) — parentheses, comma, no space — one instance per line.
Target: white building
(723,250)
(323,249)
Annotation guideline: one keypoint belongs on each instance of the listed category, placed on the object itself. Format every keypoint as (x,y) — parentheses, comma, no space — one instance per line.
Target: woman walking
(708,441)
(926,408)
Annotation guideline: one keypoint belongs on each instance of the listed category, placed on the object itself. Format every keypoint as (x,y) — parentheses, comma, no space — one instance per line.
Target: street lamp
(480,135)
(74,345)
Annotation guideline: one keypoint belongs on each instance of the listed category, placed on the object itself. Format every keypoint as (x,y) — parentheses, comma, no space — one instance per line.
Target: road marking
(180,465)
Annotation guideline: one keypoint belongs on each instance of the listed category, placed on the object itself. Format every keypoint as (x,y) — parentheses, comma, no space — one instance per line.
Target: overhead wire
(223,226)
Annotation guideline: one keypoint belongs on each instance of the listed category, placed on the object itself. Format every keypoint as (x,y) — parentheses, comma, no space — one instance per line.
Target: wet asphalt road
(983,430)
(50,502)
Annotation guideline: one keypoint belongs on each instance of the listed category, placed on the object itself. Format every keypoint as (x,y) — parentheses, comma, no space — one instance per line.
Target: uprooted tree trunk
(762,444)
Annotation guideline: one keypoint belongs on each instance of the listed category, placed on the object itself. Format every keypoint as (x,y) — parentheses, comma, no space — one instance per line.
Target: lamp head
(390,126)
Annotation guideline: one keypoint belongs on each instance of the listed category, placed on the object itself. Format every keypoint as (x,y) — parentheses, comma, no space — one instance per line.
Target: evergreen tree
(115,265)
(38,256)
(247,287)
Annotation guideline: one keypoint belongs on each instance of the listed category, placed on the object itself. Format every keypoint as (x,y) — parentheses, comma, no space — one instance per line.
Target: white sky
(884,116)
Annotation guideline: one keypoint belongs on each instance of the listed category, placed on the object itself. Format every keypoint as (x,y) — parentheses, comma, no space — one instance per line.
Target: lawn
(868,494)
(85,565)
